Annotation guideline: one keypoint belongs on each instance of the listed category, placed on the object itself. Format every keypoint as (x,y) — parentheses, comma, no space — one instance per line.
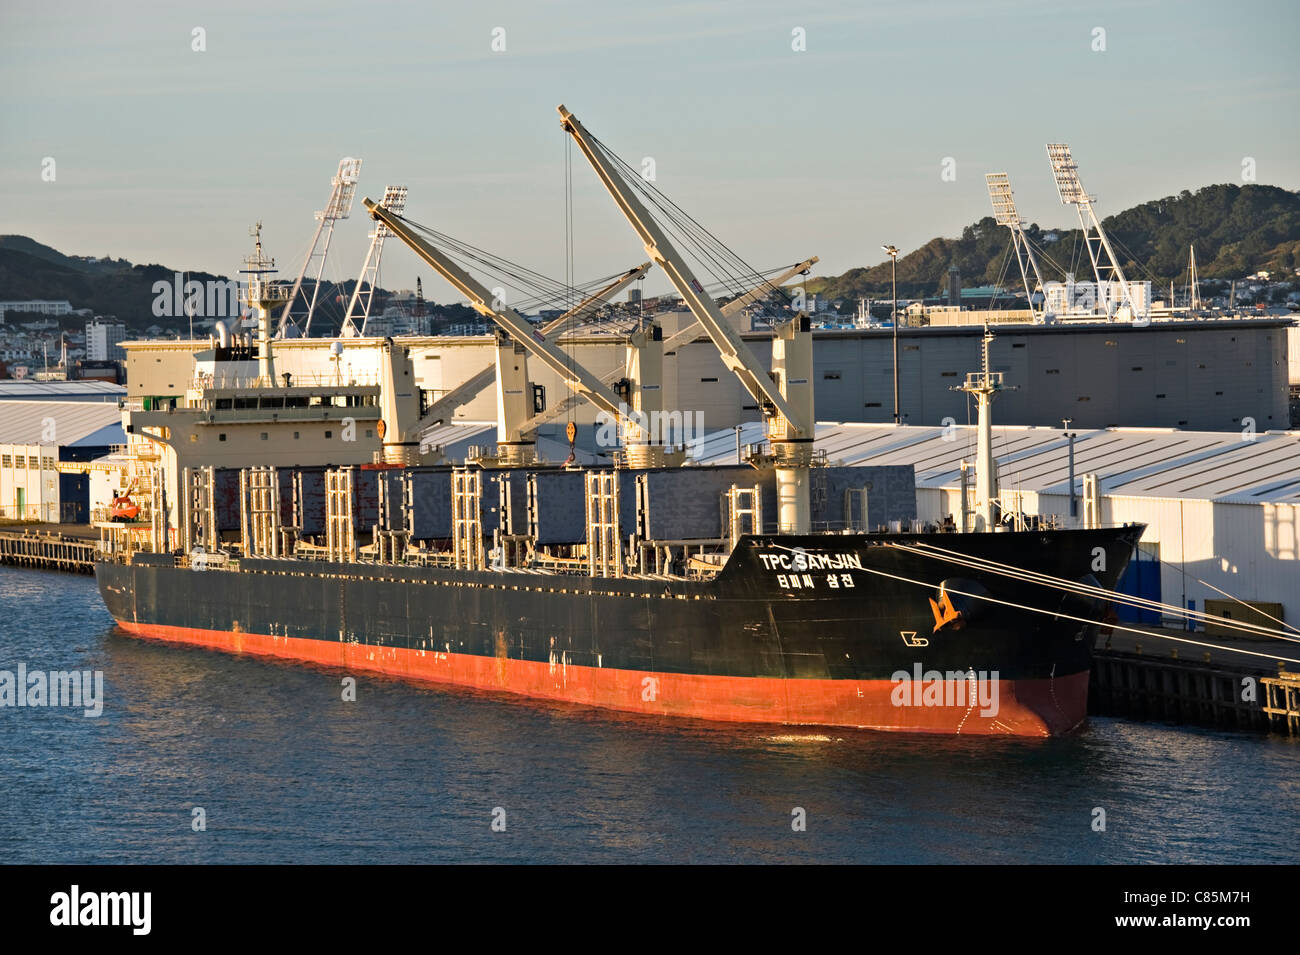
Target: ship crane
(338,207)
(1004,211)
(786,396)
(683,337)
(1105,266)
(442,409)
(514,447)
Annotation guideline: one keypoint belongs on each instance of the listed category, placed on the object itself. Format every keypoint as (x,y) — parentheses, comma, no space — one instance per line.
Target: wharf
(1225,686)
(65,547)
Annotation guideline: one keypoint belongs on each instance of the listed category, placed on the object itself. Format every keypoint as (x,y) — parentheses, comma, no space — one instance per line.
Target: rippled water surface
(286,771)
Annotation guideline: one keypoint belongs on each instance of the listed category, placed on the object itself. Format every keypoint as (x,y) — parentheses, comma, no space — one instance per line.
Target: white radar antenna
(394,201)
(1004,211)
(1066,172)
(338,207)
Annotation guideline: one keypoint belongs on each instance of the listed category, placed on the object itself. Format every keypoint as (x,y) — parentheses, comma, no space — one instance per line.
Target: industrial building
(45,450)
(1198,375)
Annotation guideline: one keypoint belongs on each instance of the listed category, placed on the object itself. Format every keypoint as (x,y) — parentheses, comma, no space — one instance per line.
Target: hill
(1237,230)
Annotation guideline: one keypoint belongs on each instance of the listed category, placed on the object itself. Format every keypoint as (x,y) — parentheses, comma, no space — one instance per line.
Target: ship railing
(205,382)
(100,515)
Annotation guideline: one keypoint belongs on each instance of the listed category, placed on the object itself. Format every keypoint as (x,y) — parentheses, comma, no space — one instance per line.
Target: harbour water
(286,770)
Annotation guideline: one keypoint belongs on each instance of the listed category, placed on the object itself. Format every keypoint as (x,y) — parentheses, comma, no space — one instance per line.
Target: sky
(164,153)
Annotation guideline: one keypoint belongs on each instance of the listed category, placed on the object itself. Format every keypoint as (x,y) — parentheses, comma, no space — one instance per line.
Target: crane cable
(1059,615)
(1048,580)
(544,289)
(710,252)
(1060,583)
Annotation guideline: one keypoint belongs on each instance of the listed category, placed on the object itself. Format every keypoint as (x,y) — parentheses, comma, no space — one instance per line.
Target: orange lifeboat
(123,508)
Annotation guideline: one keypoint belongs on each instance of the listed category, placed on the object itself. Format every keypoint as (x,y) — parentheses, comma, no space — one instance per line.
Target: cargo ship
(851,640)
(311,519)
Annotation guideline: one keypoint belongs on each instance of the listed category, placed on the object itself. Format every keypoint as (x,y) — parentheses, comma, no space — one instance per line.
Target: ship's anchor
(966,609)
(946,616)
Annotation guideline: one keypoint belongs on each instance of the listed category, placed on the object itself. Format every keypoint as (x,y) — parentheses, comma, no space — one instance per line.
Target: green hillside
(1237,230)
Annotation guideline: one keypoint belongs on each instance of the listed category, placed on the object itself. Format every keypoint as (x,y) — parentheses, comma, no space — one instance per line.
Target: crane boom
(465,392)
(736,355)
(673,342)
(480,299)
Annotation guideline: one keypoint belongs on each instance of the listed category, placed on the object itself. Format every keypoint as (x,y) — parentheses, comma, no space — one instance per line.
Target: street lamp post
(893,315)
(1069,436)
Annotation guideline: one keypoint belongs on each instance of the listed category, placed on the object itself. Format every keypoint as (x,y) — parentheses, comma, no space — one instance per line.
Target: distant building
(42,306)
(103,341)
(398,321)
(1073,299)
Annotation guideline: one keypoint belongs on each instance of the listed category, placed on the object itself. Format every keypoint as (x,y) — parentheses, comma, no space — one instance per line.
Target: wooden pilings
(1219,693)
(48,551)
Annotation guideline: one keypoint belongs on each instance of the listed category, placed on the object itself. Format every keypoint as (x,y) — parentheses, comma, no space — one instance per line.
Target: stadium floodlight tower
(338,207)
(394,201)
(1004,211)
(1066,172)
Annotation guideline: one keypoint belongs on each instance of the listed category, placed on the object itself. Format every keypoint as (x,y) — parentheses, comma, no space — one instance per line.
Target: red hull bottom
(1043,707)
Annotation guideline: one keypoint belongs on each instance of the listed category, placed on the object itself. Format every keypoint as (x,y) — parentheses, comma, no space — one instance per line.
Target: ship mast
(263,296)
(985,385)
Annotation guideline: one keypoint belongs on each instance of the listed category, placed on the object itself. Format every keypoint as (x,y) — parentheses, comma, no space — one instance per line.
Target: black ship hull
(889,632)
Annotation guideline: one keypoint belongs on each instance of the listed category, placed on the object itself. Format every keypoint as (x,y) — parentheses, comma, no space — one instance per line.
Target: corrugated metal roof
(76,423)
(25,389)
(1158,462)
(1136,462)
(456,438)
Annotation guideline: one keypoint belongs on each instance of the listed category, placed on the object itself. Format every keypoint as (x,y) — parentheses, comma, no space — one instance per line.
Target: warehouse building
(1207,375)
(45,449)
